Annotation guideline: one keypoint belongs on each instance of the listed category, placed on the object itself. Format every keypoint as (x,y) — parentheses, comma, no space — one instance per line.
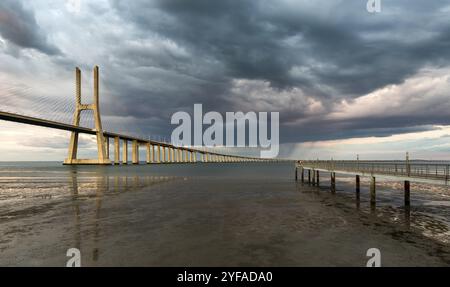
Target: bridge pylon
(79,107)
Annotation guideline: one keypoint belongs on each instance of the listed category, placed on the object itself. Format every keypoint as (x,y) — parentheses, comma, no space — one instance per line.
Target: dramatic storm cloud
(18,25)
(332,70)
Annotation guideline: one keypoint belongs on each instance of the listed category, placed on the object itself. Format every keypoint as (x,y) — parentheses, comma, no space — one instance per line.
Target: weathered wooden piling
(372,191)
(333,182)
(407,193)
(358,189)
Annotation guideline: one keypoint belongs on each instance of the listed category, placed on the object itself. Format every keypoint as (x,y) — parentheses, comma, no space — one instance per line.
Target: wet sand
(210,215)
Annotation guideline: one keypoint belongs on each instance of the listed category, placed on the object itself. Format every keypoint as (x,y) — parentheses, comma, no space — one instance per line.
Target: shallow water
(245,214)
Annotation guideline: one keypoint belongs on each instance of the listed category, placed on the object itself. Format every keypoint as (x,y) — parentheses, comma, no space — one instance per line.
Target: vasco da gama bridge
(156,151)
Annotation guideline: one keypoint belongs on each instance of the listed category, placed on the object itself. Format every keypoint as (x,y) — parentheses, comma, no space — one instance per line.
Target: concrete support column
(116,150)
(153,153)
(169,151)
(180,156)
(186,156)
(302,174)
(173,154)
(147,145)
(163,154)
(313,177)
(125,151)
(407,193)
(296,174)
(107,146)
(317,177)
(373,197)
(159,154)
(309,176)
(135,152)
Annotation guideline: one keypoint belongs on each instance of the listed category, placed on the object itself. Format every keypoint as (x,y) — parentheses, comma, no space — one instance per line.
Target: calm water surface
(246,214)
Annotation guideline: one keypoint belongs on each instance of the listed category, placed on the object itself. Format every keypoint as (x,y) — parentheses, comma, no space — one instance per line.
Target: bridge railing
(419,169)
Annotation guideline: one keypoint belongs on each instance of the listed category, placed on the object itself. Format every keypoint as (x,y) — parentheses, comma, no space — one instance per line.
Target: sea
(213,214)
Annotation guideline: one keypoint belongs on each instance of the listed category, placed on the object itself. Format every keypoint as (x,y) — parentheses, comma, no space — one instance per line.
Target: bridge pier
(116,150)
(125,151)
(107,147)
(169,154)
(153,153)
(102,152)
(135,152)
(158,158)
(147,150)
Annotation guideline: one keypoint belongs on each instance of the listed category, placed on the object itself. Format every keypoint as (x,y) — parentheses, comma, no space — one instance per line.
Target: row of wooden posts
(314,176)
(163,153)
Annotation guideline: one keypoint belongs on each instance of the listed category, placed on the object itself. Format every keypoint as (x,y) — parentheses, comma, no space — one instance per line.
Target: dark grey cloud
(18,25)
(331,50)
(158,57)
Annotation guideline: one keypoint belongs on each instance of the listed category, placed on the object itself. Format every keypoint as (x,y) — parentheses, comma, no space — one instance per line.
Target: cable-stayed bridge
(81,118)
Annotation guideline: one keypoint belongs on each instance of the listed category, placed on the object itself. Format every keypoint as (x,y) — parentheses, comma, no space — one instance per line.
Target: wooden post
(357,186)
(303,174)
(333,182)
(407,193)
(317,177)
(372,191)
(296,174)
(309,176)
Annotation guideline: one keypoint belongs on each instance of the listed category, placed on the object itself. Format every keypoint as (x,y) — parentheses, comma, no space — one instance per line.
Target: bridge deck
(68,127)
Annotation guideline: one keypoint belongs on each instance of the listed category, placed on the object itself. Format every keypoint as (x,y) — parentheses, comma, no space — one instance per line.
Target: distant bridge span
(157,152)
